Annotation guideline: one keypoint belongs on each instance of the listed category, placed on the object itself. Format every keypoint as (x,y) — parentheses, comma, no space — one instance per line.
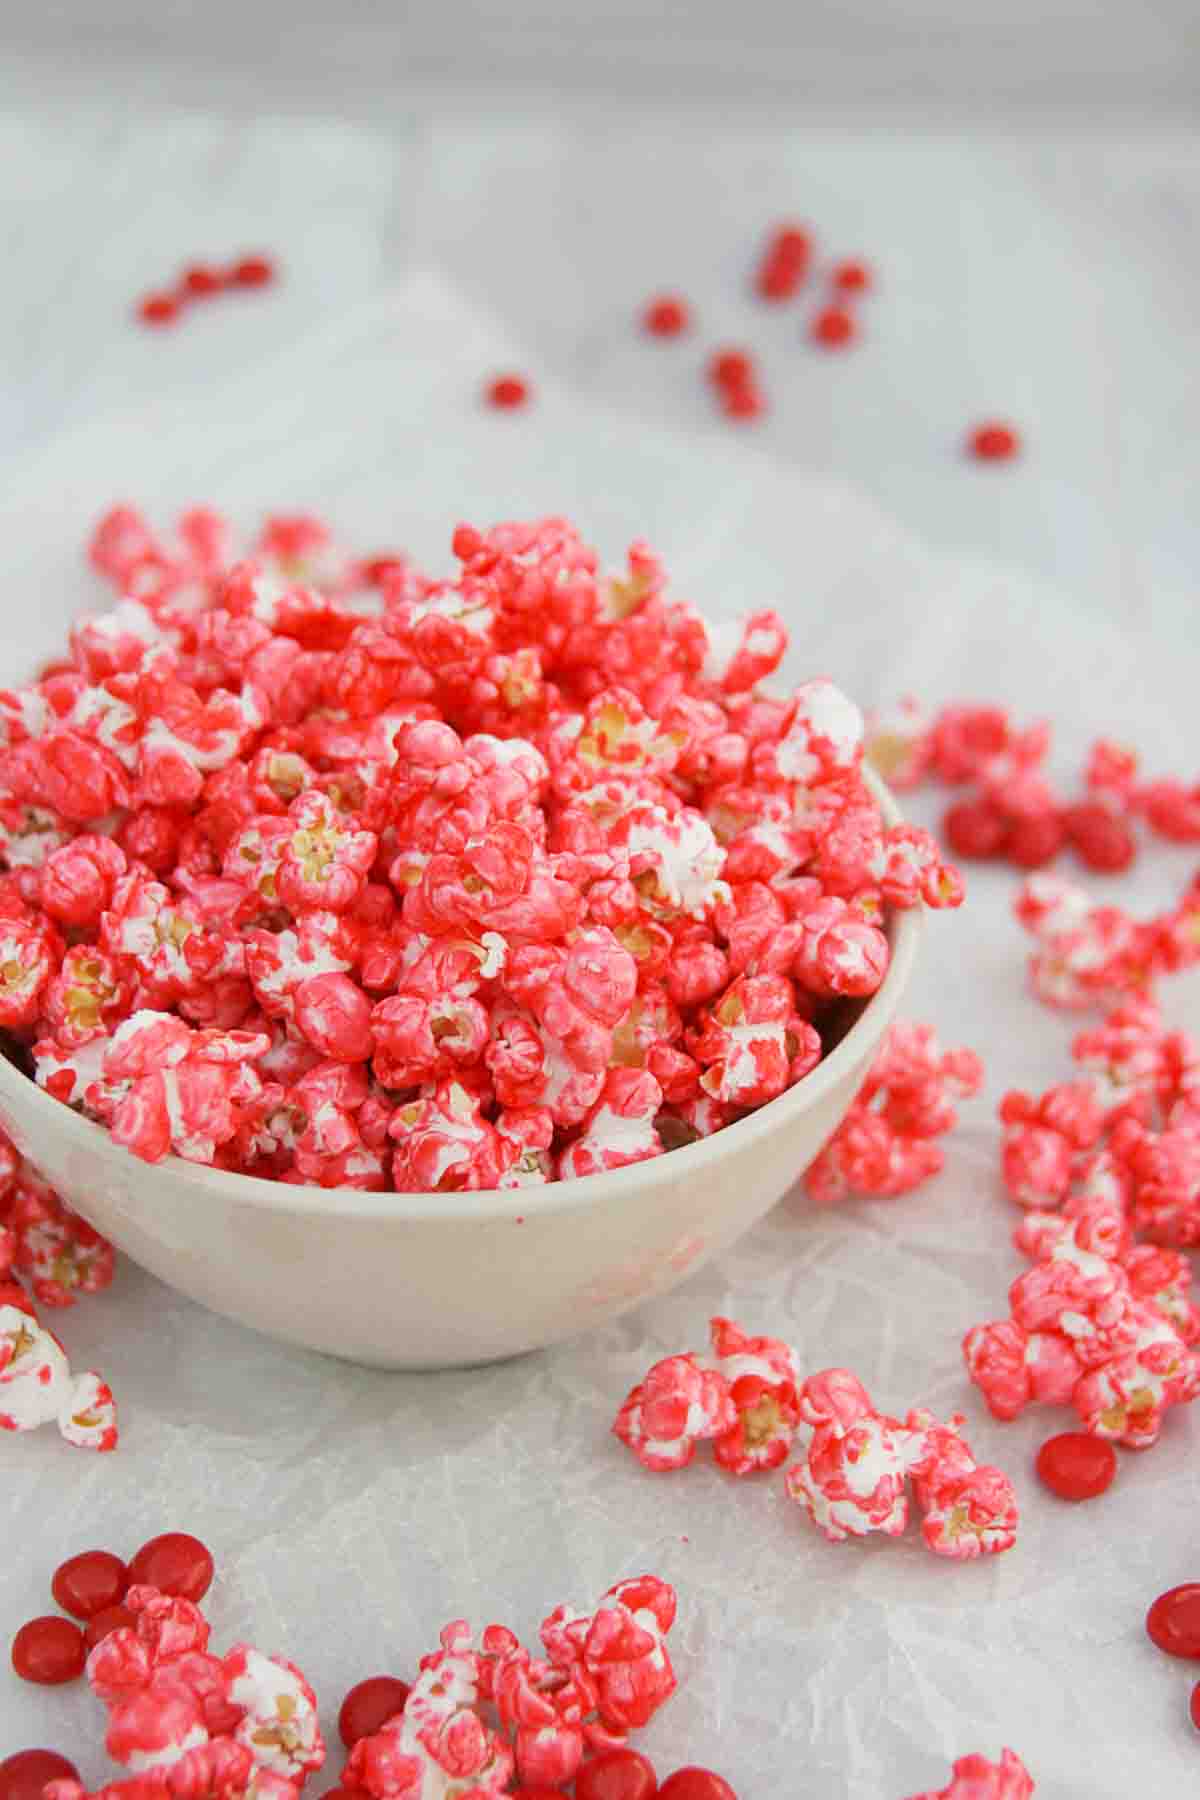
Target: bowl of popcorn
(426,970)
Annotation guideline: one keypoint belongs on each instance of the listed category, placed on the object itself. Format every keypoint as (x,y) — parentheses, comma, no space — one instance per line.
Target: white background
(1030,192)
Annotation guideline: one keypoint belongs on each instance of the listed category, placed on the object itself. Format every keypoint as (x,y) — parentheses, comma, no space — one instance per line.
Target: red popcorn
(38,1388)
(885,1145)
(975,1778)
(529,850)
(679,1403)
(762,1379)
(851,1476)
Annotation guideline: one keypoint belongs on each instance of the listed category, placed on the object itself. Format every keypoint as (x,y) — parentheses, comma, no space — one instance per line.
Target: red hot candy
(369,1705)
(1075,1466)
(175,1563)
(975,1778)
(1173,1622)
(23,1776)
(90,1583)
(695,1784)
(49,1651)
(617,1775)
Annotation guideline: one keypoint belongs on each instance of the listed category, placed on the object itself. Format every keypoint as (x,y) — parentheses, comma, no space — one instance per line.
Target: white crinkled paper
(352,1513)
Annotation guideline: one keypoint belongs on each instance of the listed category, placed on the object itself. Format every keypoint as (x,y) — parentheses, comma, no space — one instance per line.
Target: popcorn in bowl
(508,879)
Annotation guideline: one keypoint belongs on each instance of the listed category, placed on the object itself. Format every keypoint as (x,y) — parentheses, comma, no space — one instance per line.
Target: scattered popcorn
(855,1464)
(975,1778)
(886,1143)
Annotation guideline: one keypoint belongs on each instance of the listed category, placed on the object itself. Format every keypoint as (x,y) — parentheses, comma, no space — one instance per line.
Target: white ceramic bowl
(428,1281)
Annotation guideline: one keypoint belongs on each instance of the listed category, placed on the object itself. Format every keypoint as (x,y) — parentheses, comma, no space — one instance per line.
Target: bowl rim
(21,1094)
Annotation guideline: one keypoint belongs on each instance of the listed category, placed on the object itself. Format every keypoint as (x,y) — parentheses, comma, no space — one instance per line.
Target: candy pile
(855,1463)
(203,281)
(47,1246)
(475,891)
(1012,810)
(975,1778)
(1109,1168)
(886,1144)
(93,1587)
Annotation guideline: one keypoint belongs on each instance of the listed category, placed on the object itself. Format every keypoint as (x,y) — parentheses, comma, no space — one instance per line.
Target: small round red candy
(730,368)
(1076,1466)
(369,1705)
(695,1784)
(851,277)
(975,828)
(742,400)
(1194,1706)
(113,1618)
(507,391)
(252,272)
(1173,1622)
(617,1775)
(175,1563)
(200,281)
(667,316)
(833,327)
(158,309)
(90,1583)
(23,1776)
(993,442)
(1100,837)
(49,1651)
(1035,841)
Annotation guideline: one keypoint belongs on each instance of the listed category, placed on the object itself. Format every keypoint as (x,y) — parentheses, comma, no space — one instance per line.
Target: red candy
(113,1618)
(49,1651)
(730,368)
(1193,1710)
(784,263)
(369,1705)
(851,277)
(695,1784)
(1076,1466)
(253,271)
(23,1776)
(1173,1622)
(617,1775)
(833,327)
(92,1582)
(506,392)
(666,316)
(993,442)
(158,309)
(175,1564)
(200,281)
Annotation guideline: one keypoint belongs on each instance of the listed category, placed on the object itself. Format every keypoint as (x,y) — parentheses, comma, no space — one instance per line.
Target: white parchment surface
(352,1512)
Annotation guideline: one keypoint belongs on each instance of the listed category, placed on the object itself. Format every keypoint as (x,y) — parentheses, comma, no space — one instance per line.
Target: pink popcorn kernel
(886,1143)
(975,1778)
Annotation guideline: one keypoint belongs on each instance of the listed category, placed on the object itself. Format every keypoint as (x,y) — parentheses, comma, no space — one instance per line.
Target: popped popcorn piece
(975,1778)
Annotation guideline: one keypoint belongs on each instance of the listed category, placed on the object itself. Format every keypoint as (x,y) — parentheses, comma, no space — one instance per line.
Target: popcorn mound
(323,870)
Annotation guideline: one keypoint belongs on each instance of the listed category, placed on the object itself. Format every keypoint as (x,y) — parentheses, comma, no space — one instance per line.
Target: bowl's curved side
(433,1280)
(436,1292)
